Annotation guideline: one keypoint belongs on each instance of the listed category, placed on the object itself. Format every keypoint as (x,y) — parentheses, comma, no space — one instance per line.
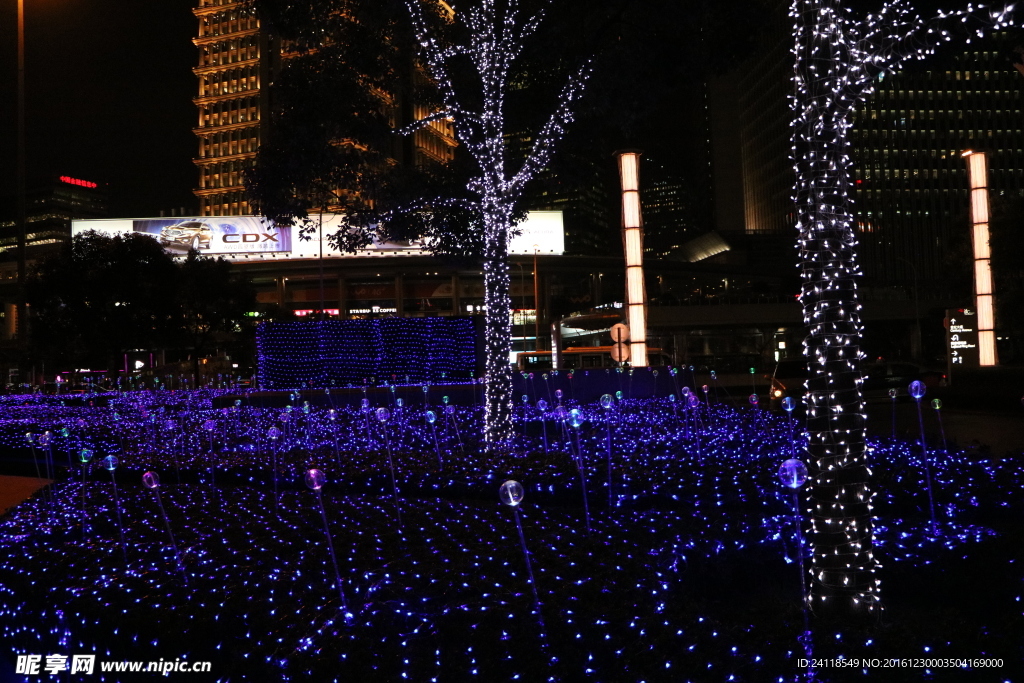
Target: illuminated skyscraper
(234,65)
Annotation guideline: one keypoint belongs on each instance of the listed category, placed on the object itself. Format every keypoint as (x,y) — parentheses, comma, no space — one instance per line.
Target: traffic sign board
(620,333)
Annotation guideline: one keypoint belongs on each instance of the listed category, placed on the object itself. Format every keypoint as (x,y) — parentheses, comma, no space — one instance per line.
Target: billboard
(216,234)
(243,238)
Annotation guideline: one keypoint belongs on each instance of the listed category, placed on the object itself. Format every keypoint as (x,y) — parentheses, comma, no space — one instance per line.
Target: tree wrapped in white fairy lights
(496,33)
(838,60)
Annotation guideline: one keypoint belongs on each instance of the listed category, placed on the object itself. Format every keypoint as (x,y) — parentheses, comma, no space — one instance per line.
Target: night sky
(109,98)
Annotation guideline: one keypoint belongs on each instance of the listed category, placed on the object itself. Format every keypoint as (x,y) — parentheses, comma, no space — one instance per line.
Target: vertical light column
(633,247)
(977,172)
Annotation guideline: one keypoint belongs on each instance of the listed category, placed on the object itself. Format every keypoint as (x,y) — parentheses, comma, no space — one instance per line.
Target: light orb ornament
(45,438)
(917,389)
(109,463)
(315,479)
(558,393)
(210,425)
(273,433)
(754,400)
(937,404)
(30,438)
(85,455)
(618,395)
(151,480)
(714,375)
(575,418)
(431,416)
(893,392)
(789,404)
(607,401)
(793,473)
(693,401)
(449,410)
(383,414)
(444,400)
(542,405)
(511,493)
(399,402)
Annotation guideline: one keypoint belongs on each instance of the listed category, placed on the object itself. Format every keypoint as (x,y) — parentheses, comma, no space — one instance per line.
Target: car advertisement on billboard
(216,234)
(244,238)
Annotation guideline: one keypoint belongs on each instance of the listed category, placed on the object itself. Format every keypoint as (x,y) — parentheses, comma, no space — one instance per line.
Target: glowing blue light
(793,473)
(511,493)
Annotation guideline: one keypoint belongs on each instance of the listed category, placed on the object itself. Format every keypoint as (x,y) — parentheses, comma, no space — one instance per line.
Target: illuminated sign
(962,338)
(244,238)
(216,234)
(77,181)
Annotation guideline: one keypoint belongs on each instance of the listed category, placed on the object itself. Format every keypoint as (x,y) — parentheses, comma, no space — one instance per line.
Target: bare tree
(496,34)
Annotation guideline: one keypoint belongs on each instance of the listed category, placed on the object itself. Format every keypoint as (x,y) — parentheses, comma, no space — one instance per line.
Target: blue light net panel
(343,352)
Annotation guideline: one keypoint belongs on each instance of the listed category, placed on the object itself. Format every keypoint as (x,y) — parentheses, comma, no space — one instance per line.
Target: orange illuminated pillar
(977,171)
(633,248)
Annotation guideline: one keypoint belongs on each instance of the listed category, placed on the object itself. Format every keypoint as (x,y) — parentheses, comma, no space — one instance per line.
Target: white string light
(838,60)
(497,34)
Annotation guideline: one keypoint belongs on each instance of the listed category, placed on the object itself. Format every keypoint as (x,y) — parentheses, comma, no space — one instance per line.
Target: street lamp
(19,326)
(536,299)
(977,172)
(633,248)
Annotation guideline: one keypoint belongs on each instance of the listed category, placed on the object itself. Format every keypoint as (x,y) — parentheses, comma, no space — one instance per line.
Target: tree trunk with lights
(838,59)
(843,566)
(497,32)
(498,326)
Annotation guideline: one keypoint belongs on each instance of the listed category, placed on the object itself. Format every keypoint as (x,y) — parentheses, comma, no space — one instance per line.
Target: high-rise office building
(911,189)
(237,62)
(235,59)
(668,210)
(51,204)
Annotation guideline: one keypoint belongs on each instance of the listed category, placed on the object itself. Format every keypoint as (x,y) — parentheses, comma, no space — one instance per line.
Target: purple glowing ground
(688,571)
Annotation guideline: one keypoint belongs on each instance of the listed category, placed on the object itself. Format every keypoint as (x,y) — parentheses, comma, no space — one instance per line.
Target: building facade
(235,60)
(911,188)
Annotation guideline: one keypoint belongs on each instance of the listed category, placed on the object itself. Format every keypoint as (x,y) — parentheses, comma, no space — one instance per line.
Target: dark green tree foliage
(100,297)
(211,304)
(348,84)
